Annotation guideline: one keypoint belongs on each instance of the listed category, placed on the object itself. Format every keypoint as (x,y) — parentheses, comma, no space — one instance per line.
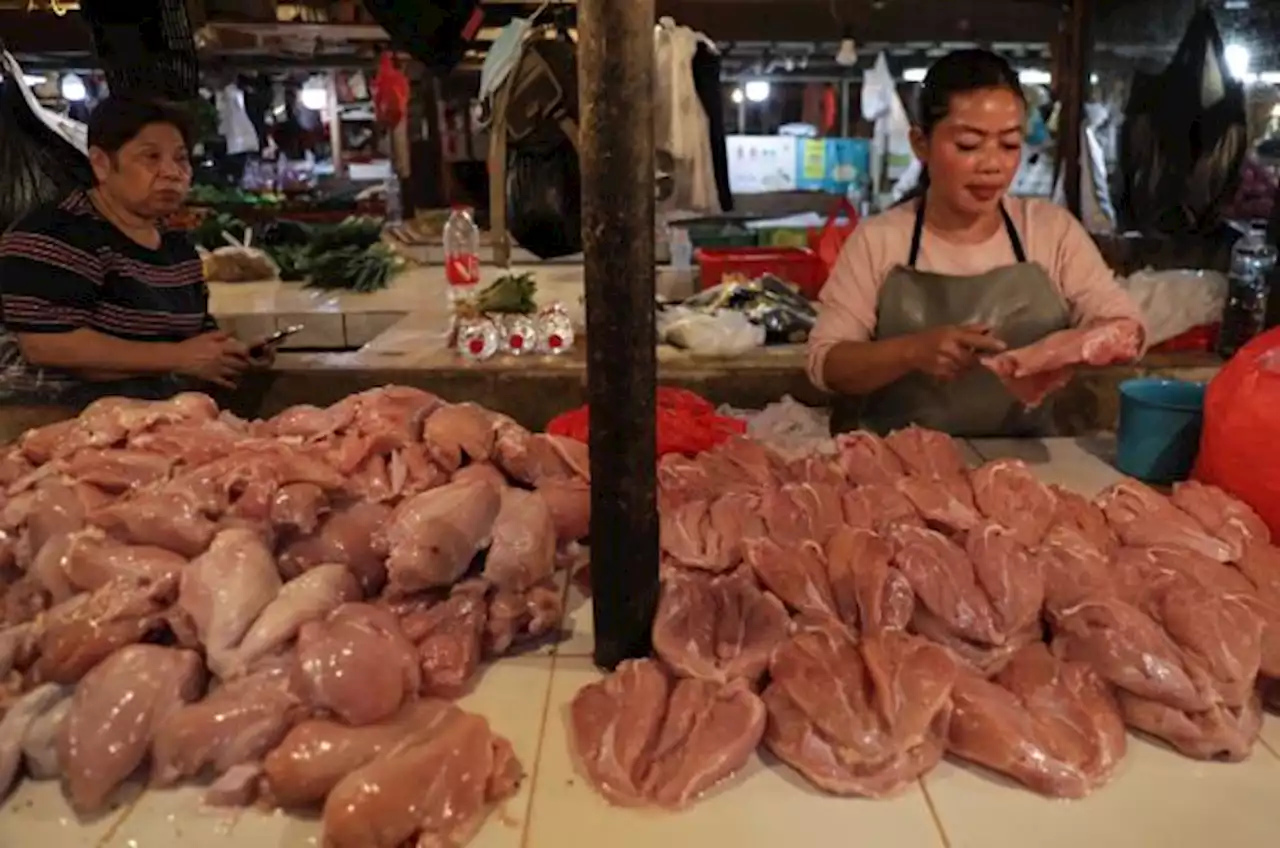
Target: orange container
(796,265)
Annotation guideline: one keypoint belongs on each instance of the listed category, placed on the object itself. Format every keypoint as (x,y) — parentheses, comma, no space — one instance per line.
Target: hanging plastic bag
(1184,139)
(544,199)
(891,149)
(390,93)
(234,124)
(828,241)
(437,34)
(38,164)
(1241,427)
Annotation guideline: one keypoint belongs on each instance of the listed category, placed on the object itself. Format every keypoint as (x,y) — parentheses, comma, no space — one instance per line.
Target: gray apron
(1019,302)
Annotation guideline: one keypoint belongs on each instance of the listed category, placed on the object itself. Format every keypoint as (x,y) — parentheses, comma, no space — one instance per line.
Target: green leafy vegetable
(511,294)
(357,269)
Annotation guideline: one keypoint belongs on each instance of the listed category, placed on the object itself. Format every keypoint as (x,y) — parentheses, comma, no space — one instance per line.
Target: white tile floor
(1157,800)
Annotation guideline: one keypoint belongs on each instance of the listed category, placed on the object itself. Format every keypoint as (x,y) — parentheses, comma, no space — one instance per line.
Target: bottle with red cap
(461,254)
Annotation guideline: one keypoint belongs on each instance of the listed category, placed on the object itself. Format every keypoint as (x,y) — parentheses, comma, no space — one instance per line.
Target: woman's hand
(215,357)
(947,352)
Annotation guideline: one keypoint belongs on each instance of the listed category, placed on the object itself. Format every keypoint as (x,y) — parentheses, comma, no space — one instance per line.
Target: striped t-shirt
(65,267)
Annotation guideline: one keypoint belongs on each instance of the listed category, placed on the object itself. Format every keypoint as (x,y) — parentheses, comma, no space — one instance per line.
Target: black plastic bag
(1185,138)
(544,201)
(544,176)
(436,33)
(146,47)
(37,166)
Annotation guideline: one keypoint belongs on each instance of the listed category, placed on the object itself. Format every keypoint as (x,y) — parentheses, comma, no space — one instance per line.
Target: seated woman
(96,298)
(922,292)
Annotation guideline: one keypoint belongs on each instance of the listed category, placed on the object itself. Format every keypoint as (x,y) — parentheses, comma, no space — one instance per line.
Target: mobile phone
(259,348)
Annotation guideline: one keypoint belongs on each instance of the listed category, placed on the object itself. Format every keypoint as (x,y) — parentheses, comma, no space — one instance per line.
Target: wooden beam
(615,84)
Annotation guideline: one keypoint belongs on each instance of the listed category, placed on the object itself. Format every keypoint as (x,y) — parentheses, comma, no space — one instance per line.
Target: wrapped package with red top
(687,423)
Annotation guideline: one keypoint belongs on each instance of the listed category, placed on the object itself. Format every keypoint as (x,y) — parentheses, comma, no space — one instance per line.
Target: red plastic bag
(687,424)
(829,240)
(390,93)
(1242,428)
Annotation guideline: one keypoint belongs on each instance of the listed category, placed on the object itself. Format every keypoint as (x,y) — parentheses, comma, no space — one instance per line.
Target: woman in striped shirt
(96,298)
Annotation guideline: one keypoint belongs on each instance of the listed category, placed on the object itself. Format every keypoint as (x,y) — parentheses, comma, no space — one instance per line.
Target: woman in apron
(923,291)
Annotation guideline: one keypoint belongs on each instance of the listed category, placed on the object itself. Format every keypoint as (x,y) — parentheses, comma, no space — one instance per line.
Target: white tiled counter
(347,320)
(1158,799)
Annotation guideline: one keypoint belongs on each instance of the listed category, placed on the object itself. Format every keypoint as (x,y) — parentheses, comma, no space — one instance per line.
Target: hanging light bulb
(757,91)
(847,56)
(73,89)
(314,94)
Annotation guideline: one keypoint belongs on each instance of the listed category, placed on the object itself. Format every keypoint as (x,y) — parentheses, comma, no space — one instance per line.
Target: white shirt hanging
(681,127)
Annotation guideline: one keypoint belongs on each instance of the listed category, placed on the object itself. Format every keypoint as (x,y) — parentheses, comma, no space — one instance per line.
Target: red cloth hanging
(390,93)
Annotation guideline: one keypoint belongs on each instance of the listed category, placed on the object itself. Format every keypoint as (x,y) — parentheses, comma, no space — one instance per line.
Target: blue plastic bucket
(1160,423)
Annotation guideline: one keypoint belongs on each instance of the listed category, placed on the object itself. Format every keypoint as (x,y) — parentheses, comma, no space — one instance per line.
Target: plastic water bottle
(1252,260)
(461,254)
(395,211)
(681,248)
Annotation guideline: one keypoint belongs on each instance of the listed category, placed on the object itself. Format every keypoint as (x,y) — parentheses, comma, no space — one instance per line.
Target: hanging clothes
(706,79)
(681,127)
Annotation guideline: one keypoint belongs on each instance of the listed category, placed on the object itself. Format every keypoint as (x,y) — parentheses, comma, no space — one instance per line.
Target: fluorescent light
(1269,77)
(34,79)
(914,74)
(1034,76)
(1238,58)
(757,91)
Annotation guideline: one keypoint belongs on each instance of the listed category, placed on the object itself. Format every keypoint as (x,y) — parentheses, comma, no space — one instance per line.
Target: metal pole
(615,84)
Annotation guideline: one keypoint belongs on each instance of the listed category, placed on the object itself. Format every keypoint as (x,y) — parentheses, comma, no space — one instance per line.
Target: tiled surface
(1075,464)
(761,806)
(1271,734)
(512,694)
(1157,799)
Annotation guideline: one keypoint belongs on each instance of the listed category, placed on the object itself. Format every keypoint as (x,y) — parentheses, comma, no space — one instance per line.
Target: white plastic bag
(1174,302)
(720,333)
(234,124)
(75,133)
(891,148)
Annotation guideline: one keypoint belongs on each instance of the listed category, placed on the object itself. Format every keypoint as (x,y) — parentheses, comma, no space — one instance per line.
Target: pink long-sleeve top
(1051,236)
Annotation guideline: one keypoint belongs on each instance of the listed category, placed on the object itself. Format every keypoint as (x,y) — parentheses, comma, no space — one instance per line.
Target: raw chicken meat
(341,569)
(357,664)
(18,719)
(523,552)
(1108,343)
(431,538)
(643,738)
(982,601)
(717,628)
(224,590)
(115,713)
(308,598)
(1006,492)
(927,453)
(316,754)
(1052,726)
(1141,517)
(857,717)
(238,723)
(387,803)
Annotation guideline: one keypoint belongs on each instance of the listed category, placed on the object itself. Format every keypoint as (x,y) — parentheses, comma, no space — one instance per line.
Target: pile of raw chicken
(864,613)
(285,607)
